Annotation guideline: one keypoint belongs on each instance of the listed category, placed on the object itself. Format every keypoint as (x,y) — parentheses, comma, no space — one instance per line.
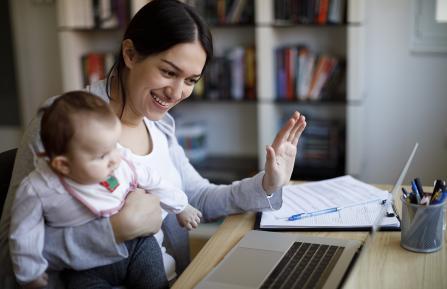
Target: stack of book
(95,66)
(93,14)
(321,145)
(229,77)
(304,75)
(320,12)
(192,137)
(224,12)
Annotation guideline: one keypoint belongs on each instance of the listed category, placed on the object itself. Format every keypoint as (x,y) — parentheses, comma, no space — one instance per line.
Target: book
(93,67)
(320,145)
(289,62)
(93,14)
(337,11)
(236,57)
(192,137)
(250,73)
(322,74)
(355,205)
(280,74)
(323,12)
(96,65)
(217,79)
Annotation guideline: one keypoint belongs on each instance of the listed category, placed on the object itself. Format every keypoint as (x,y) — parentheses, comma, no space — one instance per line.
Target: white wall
(406,99)
(36,60)
(37,53)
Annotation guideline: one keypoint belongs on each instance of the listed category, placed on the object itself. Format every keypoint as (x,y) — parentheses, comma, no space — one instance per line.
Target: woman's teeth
(161,102)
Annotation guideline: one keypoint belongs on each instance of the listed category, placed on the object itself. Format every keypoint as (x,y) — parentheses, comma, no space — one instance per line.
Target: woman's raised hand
(281,154)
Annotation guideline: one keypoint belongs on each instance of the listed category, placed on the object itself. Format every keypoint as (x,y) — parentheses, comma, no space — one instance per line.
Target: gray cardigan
(82,247)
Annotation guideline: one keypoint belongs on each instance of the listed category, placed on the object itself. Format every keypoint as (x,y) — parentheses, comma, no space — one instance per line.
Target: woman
(163,54)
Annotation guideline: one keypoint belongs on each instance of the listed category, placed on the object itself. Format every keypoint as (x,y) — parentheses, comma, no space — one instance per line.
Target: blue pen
(312,214)
(327,211)
(418,184)
(416,192)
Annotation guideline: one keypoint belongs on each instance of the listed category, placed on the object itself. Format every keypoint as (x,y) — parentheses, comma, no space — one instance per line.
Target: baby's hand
(40,282)
(189,217)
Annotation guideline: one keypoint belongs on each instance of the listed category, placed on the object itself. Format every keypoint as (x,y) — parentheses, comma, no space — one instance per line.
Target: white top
(159,159)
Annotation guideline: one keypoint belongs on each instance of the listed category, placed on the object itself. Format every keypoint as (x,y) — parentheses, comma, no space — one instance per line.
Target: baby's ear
(61,165)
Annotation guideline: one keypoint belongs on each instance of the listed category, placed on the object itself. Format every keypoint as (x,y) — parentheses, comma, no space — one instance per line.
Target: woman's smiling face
(158,82)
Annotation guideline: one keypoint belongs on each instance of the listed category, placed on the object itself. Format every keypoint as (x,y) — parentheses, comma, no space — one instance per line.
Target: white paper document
(358,205)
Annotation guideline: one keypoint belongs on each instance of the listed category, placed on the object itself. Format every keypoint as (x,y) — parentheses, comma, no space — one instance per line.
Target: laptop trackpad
(256,265)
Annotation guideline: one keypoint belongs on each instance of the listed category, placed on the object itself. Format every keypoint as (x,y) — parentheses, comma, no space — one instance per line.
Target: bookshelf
(239,129)
(344,40)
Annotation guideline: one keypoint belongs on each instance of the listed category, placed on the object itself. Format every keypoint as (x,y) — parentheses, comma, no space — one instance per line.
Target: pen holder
(422,227)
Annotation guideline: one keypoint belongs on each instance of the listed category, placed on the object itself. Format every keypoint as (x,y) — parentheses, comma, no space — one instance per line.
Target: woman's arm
(215,201)
(249,194)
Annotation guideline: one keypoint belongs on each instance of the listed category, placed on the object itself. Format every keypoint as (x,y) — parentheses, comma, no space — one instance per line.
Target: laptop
(265,259)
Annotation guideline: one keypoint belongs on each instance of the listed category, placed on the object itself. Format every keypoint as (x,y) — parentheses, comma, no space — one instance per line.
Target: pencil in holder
(422,227)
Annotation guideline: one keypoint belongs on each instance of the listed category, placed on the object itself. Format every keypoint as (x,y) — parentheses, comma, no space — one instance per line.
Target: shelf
(316,173)
(89,30)
(236,128)
(314,102)
(232,25)
(281,24)
(268,101)
(220,101)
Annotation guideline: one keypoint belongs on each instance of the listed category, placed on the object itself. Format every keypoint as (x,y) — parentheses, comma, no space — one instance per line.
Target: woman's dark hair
(158,26)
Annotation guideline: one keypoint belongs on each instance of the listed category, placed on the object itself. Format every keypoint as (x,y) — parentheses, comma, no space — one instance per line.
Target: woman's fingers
(197,216)
(295,129)
(284,132)
(288,130)
(301,125)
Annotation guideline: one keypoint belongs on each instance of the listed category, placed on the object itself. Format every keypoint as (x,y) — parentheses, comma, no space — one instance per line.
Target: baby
(84,175)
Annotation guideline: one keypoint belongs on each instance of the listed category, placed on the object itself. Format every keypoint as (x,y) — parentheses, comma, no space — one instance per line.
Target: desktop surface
(382,264)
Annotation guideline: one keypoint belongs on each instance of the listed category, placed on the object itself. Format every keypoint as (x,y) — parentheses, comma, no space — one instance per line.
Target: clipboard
(342,203)
(342,184)
(323,229)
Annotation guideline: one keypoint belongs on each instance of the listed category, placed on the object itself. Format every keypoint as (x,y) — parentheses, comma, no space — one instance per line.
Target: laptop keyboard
(304,265)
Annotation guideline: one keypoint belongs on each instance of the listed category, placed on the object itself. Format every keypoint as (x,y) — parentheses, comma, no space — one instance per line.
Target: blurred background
(370,76)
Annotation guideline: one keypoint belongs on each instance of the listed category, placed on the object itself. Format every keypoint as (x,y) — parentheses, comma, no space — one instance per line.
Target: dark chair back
(6,164)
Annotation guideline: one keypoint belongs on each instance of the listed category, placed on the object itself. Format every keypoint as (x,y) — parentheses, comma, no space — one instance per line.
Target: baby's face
(93,153)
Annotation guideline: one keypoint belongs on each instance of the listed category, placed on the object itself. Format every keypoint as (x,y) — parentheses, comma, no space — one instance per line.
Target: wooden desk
(382,264)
